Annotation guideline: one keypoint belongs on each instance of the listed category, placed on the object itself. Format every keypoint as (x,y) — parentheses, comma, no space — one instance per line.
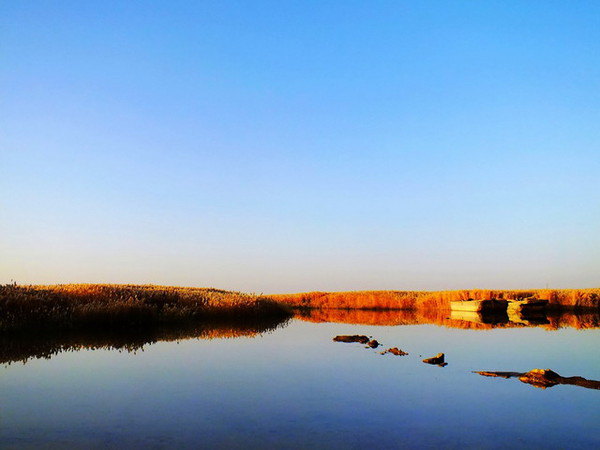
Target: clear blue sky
(294,145)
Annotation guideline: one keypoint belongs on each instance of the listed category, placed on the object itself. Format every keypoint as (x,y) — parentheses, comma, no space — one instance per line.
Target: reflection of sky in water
(297,387)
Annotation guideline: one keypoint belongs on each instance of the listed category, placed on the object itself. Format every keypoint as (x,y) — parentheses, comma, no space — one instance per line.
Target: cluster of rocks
(374,343)
(542,378)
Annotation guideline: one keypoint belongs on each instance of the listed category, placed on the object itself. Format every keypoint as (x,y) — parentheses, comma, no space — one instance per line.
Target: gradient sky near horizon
(289,146)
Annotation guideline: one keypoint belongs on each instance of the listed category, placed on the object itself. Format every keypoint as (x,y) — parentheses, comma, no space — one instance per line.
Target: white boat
(479,305)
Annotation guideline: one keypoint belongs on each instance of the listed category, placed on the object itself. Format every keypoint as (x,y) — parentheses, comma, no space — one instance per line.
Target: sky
(289,146)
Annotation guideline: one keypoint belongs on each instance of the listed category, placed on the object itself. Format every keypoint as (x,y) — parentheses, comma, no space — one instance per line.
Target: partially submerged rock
(437,359)
(362,339)
(373,343)
(500,374)
(541,378)
(395,351)
(537,377)
(544,378)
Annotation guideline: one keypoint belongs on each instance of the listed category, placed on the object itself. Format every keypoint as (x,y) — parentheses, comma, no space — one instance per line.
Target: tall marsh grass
(102,305)
(436,300)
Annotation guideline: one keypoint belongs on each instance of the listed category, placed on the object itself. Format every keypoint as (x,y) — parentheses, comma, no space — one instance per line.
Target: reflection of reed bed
(73,306)
(390,317)
(359,316)
(445,318)
(579,321)
(557,299)
(20,346)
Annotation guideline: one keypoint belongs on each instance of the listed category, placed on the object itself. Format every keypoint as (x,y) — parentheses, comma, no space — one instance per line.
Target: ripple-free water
(297,388)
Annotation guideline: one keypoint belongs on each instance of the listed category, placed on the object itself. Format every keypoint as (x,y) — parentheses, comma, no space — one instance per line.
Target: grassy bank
(566,299)
(112,306)
(92,305)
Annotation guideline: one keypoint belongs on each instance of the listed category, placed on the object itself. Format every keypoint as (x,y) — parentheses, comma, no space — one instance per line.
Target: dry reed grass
(436,300)
(89,305)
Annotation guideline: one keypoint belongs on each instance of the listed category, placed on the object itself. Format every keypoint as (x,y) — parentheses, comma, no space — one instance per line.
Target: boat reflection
(491,318)
(502,318)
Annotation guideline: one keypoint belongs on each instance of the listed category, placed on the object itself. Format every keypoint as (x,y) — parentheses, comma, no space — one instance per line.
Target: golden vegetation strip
(553,321)
(103,305)
(388,300)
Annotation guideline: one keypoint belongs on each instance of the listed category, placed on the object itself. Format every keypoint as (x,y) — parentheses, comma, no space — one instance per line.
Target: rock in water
(437,359)
(541,378)
(544,378)
(373,343)
(352,338)
(487,373)
(395,351)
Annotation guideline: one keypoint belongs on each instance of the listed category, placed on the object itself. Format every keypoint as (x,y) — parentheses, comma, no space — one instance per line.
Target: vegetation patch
(124,306)
(566,299)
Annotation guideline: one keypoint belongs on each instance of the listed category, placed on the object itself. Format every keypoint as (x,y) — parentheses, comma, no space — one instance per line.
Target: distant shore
(558,299)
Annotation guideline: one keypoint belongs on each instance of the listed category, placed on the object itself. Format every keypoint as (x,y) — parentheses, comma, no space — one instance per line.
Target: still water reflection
(292,386)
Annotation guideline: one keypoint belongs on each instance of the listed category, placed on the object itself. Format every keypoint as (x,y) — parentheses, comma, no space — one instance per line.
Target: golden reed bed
(436,300)
(103,305)
(41,321)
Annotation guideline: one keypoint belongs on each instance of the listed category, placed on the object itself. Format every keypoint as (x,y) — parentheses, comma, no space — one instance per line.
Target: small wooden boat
(527,305)
(479,305)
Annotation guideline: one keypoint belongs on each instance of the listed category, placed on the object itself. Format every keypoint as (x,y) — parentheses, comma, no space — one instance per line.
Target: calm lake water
(296,388)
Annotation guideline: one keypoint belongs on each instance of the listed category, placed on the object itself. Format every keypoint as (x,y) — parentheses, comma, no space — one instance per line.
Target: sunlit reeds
(436,300)
(85,305)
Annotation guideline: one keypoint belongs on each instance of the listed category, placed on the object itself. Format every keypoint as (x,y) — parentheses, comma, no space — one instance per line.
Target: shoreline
(110,306)
(558,299)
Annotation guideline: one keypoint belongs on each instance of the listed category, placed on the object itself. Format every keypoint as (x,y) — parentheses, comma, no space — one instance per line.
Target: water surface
(295,387)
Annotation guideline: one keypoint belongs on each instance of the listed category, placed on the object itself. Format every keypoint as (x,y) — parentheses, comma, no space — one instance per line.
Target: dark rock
(352,338)
(544,378)
(541,378)
(437,359)
(373,343)
(395,351)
